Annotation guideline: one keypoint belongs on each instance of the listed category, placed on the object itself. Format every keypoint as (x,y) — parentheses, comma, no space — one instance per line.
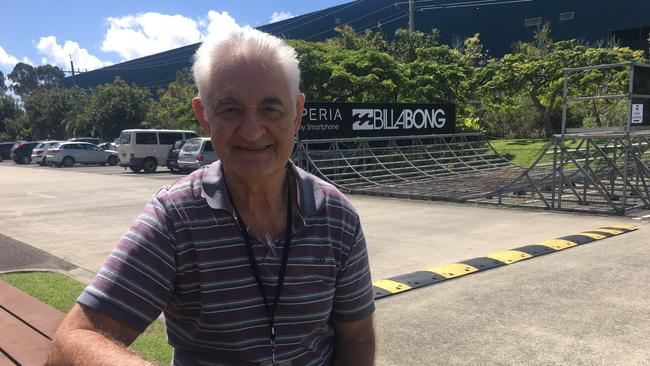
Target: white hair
(246,44)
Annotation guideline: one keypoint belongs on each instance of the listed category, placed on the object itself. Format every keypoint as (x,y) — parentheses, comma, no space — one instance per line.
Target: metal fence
(605,174)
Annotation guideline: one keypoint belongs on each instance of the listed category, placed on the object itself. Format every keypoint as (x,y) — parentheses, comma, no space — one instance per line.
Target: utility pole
(71,65)
(412,15)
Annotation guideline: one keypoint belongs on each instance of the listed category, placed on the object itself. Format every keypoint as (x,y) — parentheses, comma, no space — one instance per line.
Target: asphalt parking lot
(585,305)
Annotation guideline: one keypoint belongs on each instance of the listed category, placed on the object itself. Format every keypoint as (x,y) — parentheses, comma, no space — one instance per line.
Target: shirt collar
(310,195)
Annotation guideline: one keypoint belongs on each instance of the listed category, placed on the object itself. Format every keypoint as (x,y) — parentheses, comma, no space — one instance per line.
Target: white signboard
(637,113)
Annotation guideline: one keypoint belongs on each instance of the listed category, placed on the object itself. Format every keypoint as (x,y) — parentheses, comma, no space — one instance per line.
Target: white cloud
(280,15)
(7,61)
(59,55)
(140,35)
(219,22)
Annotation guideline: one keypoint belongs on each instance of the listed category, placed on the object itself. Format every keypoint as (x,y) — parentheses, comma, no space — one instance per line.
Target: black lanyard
(285,259)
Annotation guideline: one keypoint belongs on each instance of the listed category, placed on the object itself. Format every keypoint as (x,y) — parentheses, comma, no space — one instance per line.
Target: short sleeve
(136,281)
(353,295)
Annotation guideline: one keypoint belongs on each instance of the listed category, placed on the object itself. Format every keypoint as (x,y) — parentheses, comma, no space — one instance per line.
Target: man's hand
(87,337)
(355,343)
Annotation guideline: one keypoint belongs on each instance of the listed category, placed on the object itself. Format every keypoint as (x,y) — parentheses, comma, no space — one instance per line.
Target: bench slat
(39,315)
(4,361)
(23,343)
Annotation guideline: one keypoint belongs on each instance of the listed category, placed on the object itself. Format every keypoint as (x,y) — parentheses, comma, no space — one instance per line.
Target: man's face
(251,116)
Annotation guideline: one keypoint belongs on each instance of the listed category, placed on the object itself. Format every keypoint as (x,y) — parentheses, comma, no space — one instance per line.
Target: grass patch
(522,152)
(61,292)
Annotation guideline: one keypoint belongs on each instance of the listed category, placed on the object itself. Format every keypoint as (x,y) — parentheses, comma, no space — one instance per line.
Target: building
(500,23)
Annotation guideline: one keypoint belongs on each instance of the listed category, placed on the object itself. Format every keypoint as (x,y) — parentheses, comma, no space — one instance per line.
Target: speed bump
(407,282)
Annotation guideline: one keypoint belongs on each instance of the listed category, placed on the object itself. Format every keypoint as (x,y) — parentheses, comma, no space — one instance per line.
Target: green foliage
(535,70)
(49,76)
(9,111)
(26,79)
(517,95)
(365,75)
(23,78)
(50,110)
(173,109)
(3,86)
(437,75)
(111,109)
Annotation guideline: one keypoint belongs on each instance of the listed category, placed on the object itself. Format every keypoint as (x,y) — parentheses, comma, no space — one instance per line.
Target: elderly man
(252,260)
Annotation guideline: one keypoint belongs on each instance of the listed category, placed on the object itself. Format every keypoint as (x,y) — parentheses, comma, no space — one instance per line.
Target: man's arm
(355,343)
(88,337)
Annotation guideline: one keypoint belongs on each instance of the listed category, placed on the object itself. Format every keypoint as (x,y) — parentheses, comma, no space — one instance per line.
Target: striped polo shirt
(185,256)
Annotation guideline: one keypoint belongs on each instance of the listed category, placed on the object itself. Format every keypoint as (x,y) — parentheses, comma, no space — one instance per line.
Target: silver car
(196,153)
(71,153)
(39,153)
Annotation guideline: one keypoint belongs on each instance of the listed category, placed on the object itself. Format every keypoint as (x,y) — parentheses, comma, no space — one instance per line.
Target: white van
(146,149)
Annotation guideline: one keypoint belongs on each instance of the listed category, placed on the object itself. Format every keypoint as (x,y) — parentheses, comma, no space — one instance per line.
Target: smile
(253,148)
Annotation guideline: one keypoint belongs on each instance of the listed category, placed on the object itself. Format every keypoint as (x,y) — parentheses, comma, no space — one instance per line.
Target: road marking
(407,282)
(453,270)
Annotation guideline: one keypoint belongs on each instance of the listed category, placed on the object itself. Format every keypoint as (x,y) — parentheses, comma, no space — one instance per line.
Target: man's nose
(252,127)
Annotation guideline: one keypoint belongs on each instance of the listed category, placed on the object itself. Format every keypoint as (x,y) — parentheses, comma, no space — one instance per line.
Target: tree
(173,109)
(49,76)
(111,109)
(437,75)
(23,78)
(406,43)
(364,75)
(473,51)
(3,86)
(9,111)
(49,110)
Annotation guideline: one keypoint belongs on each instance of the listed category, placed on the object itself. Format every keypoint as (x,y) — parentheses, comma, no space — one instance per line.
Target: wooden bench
(26,327)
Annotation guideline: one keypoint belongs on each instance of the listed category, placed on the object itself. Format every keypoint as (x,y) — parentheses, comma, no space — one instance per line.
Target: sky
(104,32)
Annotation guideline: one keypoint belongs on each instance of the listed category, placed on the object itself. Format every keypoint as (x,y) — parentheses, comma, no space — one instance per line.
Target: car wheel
(68,161)
(25,160)
(135,168)
(149,165)
(112,160)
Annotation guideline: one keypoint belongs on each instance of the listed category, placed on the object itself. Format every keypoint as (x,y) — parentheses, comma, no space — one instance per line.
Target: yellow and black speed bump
(407,282)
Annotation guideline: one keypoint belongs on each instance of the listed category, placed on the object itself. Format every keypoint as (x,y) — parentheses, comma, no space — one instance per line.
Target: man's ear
(197,105)
(300,107)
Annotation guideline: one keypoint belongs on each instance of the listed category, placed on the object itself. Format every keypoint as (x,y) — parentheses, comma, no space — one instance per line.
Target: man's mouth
(253,148)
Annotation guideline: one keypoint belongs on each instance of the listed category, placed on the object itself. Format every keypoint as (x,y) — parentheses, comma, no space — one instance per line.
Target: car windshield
(39,146)
(125,138)
(192,145)
(54,145)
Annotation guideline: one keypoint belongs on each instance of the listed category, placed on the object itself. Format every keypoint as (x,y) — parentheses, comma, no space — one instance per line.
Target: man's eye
(274,112)
(228,111)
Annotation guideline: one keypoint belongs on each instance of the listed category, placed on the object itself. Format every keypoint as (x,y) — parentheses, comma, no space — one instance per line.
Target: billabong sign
(324,120)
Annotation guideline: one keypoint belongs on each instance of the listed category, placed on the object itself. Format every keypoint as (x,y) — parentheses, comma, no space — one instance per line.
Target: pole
(412,15)
(71,65)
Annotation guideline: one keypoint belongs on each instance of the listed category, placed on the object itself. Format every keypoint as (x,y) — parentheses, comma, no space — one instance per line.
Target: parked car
(196,153)
(172,157)
(92,140)
(146,149)
(40,151)
(108,146)
(5,150)
(21,152)
(70,153)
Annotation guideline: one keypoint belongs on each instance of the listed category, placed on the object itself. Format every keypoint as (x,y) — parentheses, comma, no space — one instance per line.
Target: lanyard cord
(251,258)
